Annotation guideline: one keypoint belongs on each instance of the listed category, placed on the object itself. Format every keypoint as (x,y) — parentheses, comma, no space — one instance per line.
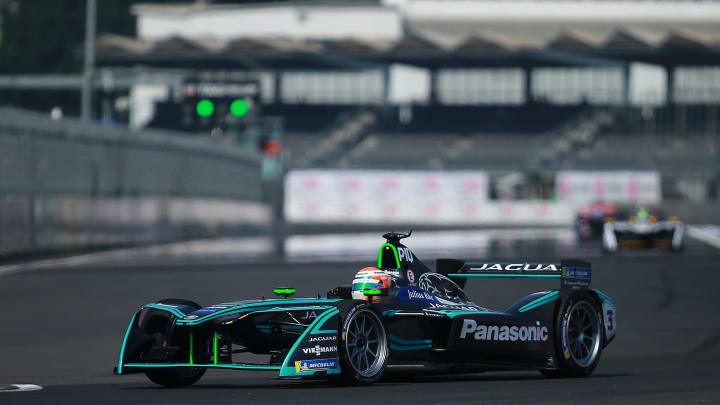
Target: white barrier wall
(579,187)
(408,197)
(74,222)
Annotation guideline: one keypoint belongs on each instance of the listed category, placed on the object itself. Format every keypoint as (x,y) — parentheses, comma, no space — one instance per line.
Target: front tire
(175,377)
(363,348)
(578,338)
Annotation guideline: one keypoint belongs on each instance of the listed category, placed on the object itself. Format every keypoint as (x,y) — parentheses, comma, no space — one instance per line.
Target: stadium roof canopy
(430,34)
(566,48)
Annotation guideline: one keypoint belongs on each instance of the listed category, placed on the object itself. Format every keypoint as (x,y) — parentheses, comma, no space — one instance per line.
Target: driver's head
(370,278)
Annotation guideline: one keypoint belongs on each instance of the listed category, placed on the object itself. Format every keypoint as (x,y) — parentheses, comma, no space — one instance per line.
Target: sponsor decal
(515,267)
(404,254)
(433,314)
(394,273)
(316,365)
(411,277)
(318,350)
(455,307)
(191,317)
(609,315)
(576,272)
(347,321)
(416,294)
(329,338)
(309,315)
(566,351)
(503,333)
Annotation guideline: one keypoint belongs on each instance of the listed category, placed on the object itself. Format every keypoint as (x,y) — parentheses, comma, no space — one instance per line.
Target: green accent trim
(453,314)
(402,341)
(506,275)
(122,348)
(545,299)
(162,307)
(393,346)
(394,249)
(603,296)
(215,349)
(233,366)
(191,348)
(284,291)
(253,305)
(372,292)
(289,371)
(316,329)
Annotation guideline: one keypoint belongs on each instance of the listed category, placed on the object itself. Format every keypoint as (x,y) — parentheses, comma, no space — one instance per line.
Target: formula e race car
(643,227)
(590,219)
(399,313)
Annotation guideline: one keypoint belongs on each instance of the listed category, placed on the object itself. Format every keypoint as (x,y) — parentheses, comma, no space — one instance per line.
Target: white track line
(19,388)
(709,234)
(188,250)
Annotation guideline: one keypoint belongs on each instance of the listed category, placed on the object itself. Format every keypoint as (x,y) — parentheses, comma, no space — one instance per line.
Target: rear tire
(175,377)
(363,350)
(578,338)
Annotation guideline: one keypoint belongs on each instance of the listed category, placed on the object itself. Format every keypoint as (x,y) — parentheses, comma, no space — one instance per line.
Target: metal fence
(42,156)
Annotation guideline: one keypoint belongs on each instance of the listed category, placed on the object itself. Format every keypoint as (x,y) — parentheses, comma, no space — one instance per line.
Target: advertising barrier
(621,186)
(405,197)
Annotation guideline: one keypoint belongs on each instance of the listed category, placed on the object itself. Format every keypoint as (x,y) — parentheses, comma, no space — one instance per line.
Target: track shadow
(275,384)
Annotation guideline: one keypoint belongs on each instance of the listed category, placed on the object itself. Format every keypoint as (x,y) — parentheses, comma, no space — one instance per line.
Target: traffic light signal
(205,108)
(239,108)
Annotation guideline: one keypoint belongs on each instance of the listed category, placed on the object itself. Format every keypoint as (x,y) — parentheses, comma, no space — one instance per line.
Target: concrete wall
(41,224)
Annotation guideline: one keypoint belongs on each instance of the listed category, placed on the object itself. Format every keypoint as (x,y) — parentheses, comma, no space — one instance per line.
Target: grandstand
(460,84)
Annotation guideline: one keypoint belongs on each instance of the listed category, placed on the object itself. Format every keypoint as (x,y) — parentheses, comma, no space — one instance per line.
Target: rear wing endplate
(573,274)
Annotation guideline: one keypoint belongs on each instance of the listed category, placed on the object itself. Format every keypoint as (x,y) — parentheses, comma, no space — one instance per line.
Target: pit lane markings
(19,387)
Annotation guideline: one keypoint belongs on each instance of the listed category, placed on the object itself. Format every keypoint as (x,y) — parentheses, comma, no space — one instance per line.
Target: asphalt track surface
(62,329)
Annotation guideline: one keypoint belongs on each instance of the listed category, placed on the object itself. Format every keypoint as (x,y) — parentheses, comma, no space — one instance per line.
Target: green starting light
(205,108)
(284,291)
(239,107)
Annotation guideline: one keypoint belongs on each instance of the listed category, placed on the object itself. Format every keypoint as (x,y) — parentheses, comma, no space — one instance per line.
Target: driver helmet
(370,278)
(642,213)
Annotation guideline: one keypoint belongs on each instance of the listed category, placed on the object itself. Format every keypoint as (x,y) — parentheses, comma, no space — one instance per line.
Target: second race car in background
(590,219)
(643,228)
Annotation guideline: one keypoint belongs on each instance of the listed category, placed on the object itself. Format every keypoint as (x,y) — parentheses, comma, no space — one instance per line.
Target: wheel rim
(366,346)
(583,333)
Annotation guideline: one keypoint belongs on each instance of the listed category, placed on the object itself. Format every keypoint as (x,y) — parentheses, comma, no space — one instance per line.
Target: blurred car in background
(590,219)
(643,227)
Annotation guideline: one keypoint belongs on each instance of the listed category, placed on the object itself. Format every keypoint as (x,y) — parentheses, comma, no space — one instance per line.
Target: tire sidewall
(348,371)
(567,365)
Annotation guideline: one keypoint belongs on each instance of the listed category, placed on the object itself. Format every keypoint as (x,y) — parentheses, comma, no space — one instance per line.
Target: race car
(396,314)
(643,227)
(590,219)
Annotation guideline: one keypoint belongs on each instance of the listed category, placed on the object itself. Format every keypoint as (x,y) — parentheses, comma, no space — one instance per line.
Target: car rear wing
(573,274)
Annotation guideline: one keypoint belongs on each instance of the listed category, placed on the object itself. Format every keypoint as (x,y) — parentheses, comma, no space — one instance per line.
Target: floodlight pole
(89,65)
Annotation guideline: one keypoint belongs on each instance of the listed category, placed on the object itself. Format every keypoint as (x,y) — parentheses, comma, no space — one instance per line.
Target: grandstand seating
(590,139)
